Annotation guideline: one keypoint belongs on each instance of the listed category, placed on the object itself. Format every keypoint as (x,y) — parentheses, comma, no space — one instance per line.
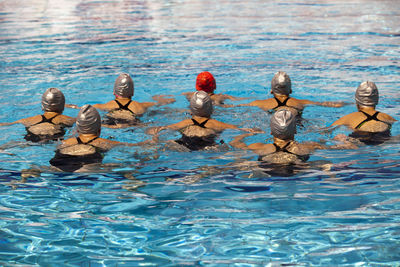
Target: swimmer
(368,125)
(201,130)
(88,147)
(281,88)
(123,111)
(205,82)
(50,125)
(284,150)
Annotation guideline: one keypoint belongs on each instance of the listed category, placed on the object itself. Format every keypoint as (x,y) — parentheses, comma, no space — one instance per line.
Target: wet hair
(205,82)
(53,100)
(281,83)
(367,94)
(124,86)
(283,124)
(201,104)
(88,120)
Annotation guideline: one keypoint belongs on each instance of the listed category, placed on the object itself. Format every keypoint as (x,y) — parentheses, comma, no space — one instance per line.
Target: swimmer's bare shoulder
(68,142)
(139,108)
(298,103)
(107,106)
(386,118)
(348,119)
(63,119)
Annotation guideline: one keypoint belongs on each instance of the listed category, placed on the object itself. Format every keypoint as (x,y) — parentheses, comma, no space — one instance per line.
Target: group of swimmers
(200,131)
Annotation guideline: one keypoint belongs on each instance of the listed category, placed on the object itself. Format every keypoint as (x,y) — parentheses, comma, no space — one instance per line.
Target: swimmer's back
(358,121)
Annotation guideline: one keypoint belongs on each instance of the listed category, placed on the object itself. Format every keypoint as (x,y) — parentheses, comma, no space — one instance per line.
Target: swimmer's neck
(49,113)
(122,98)
(281,142)
(280,97)
(366,109)
(198,118)
(88,137)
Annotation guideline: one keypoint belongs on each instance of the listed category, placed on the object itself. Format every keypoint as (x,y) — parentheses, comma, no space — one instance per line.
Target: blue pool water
(152,206)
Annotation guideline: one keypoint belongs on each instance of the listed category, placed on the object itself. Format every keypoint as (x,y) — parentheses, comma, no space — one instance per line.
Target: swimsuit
(115,116)
(373,117)
(198,142)
(284,150)
(71,163)
(59,128)
(124,107)
(371,138)
(284,104)
(202,125)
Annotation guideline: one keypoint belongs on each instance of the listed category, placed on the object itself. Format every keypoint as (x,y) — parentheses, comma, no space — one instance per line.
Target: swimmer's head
(201,104)
(281,84)
(123,86)
(367,94)
(53,100)
(283,124)
(88,120)
(205,82)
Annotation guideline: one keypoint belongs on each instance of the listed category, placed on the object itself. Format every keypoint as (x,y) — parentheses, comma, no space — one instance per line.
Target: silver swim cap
(367,94)
(281,84)
(53,100)
(283,124)
(201,104)
(123,86)
(88,120)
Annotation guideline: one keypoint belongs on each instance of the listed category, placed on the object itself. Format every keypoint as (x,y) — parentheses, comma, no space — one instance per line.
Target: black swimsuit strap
(82,143)
(44,119)
(202,125)
(124,107)
(281,104)
(369,118)
(282,149)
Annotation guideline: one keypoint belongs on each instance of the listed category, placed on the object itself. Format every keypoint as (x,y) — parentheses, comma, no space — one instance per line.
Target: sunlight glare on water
(154,206)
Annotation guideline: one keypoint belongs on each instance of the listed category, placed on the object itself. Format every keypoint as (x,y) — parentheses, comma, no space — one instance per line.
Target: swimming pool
(148,206)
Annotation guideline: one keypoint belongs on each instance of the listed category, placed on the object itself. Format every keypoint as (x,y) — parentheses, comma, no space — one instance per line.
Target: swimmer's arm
(71,106)
(188,95)
(345,142)
(220,126)
(341,121)
(178,125)
(9,123)
(175,126)
(311,146)
(68,121)
(116,143)
(26,121)
(333,104)
(146,105)
(234,98)
(238,143)
(163,100)
(266,104)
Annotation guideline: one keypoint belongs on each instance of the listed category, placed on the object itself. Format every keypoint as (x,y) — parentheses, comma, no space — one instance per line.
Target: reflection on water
(163,207)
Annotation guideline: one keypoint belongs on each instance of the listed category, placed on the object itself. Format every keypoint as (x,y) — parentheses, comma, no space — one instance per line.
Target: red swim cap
(205,82)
